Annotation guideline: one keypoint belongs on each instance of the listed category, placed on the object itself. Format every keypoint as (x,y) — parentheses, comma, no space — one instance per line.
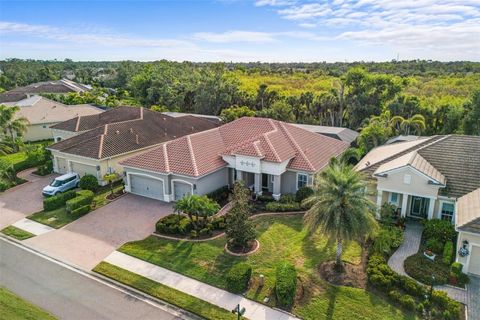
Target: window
(393,198)
(447,211)
(302,180)
(407,179)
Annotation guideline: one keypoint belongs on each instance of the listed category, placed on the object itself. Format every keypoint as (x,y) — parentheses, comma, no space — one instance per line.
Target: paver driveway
(88,240)
(23,200)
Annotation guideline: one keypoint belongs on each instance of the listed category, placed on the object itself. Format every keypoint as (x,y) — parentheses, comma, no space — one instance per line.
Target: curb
(172,309)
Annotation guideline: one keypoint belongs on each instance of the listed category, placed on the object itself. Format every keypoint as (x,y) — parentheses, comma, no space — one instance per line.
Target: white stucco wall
(473,239)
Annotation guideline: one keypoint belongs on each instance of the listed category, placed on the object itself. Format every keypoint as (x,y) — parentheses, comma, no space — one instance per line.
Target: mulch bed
(252,247)
(352,275)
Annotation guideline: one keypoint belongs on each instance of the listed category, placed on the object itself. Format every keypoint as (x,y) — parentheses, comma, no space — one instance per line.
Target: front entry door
(419,207)
(264,182)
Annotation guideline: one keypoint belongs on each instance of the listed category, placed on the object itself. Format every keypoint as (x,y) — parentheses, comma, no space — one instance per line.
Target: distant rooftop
(339,133)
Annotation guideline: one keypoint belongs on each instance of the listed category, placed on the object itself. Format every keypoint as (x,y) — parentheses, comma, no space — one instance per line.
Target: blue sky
(241,30)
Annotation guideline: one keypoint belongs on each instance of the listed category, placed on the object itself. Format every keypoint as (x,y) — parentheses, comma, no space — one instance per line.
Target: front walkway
(473,298)
(216,296)
(410,246)
(32,226)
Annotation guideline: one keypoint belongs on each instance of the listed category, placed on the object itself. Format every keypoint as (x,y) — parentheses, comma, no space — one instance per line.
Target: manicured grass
(17,233)
(165,293)
(13,307)
(281,238)
(59,217)
(15,158)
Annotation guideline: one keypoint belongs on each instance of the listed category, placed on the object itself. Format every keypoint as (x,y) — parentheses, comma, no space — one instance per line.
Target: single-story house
(467,224)
(54,86)
(270,156)
(99,149)
(340,133)
(42,113)
(425,177)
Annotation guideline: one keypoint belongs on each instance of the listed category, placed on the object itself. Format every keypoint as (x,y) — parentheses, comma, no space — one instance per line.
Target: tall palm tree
(340,207)
(413,125)
(11,125)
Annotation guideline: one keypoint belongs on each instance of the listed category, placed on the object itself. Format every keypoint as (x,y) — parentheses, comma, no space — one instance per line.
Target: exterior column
(257,186)
(431,205)
(277,179)
(239,175)
(379,203)
(55,164)
(404,205)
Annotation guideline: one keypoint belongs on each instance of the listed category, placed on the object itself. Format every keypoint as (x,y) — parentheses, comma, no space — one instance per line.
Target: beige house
(99,142)
(468,226)
(42,113)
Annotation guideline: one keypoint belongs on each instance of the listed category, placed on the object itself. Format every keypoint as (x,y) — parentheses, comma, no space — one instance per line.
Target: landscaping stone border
(265,214)
(243,254)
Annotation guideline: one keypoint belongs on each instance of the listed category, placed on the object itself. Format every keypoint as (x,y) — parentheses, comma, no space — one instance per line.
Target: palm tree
(340,207)
(11,125)
(197,208)
(406,126)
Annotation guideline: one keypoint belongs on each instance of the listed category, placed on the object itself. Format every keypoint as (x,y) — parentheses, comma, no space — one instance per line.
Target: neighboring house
(425,177)
(468,226)
(181,114)
(42,113)
(57,86)
(101,145)
(340,133)
(403,138)
(270,156)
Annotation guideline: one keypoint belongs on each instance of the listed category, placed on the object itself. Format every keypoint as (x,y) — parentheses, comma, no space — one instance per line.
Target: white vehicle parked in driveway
(61,184)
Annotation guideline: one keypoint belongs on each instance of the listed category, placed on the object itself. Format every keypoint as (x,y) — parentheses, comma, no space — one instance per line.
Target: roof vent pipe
(136,138)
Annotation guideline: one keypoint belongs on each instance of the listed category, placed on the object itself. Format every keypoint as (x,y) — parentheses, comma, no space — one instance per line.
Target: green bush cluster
(57,201)
(407,292)
(219,195)
(282,207)
(286,284)
(441,230)
(435,245)
(83,198)
(238,277)
(287,198)
(456,267)
(81,211)
(457,277)
(422,269)
(448,253)
(388,238)
(180,225)
(45,168)
(265,198)
(89,182)
(303,193)
(4,185)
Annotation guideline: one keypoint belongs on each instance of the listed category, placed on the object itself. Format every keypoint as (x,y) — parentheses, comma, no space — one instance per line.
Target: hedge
(83,198)
(282,207)
(448,253)
(238,277)
(57,201)
(286,284)
(81,211)
(442,230)
(173,224)
(303,193)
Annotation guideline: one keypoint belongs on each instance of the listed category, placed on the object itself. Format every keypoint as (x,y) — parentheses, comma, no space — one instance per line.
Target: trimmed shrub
(286,284)
(303,193)
(89,182)
(408,302)
(67,195)
(53,202)
(442,230)
(205,232)
(456,268)
(219,195)
(171,224)
(282,207)
(435,245)
(81,211)
(448,253)
(218,223)
(238,277)
(287,198)
(83,198)
(387,239)
(265,198)
(193,234)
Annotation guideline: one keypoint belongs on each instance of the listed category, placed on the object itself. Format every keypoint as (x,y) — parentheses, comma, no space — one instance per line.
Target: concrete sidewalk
(216,296)
(32,226)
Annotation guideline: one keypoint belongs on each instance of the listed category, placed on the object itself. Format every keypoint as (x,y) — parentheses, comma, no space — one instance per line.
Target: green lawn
(12,307)
(17,233)
(281,238)
(15,158)
(162,292)
(59,217)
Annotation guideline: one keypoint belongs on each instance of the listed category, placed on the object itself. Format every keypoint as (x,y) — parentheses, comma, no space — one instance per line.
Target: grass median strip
(162,292)
(13,307)
(17,233)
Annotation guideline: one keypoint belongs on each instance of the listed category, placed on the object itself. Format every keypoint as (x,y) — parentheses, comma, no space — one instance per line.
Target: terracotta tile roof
(149,129)
(275,141)
(468,212)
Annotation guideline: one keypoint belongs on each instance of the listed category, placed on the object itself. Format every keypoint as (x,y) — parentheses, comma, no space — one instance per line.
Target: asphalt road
(66,293)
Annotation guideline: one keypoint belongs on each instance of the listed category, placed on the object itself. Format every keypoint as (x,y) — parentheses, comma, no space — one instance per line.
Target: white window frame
(298,179)
(440,210)
(390,198)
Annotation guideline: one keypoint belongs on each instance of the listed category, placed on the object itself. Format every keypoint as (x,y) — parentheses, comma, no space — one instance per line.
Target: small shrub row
(265,198)
(282,207)
(81,211)
(286,284)
(219,195)
(287,198)
(448,253)
(238,277)
(58,201)
(175,224)
(83,198)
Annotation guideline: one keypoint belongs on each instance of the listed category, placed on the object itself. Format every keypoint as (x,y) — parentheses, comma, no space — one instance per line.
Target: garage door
(83,169)
(181,189)
(474,264)
(62,165)
(147,187)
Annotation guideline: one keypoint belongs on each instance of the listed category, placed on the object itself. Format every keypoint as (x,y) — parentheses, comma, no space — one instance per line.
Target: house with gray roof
(434,177)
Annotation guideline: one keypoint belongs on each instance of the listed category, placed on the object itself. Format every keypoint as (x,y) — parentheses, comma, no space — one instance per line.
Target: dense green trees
(11,129)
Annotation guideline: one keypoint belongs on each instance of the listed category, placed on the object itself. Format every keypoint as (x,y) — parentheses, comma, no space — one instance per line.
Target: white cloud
(306,11)
(307,25)
(274,3)
(235,36)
